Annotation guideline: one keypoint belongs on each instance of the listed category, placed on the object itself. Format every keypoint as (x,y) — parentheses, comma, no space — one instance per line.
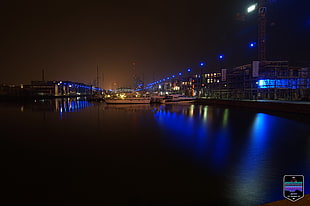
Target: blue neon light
(202,64)
(283,83)
(221,56)
(189,69)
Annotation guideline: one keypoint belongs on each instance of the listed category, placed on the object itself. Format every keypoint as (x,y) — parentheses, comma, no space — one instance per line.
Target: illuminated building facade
(274,80)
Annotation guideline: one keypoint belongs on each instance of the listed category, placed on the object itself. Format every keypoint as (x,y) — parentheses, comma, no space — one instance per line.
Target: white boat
(129,100)
(177,98)
(157,99)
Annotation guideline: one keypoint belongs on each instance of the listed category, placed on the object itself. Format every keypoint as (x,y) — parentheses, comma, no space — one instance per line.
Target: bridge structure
(49,89)
(62,88)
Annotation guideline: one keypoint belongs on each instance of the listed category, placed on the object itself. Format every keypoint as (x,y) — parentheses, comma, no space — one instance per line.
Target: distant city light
(202,64)
(173,76)
(189,70)
(221,56)
(252,8)
(180,73)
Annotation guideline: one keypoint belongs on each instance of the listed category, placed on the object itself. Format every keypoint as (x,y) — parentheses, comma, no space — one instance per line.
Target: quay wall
(278,106)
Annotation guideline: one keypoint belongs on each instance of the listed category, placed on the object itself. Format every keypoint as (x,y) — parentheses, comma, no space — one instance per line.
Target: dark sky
(69,38)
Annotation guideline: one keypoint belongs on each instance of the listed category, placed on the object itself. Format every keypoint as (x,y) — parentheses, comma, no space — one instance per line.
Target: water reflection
(200,127)
(61,105)
(225,117)
(253,166)
(176,153)
(243,145)
(69,105)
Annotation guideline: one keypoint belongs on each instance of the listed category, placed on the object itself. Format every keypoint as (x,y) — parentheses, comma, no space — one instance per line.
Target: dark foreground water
(65,152)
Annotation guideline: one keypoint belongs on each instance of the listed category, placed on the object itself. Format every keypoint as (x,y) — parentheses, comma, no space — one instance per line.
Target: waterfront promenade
(301,107)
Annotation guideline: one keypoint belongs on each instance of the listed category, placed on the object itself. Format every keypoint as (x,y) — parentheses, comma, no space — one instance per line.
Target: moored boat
(176,98)
(129,100)
(157,99)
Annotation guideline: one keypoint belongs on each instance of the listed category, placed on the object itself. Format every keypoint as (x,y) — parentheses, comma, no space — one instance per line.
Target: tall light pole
(202,64)
(262,9)
(261,41)
(97,83)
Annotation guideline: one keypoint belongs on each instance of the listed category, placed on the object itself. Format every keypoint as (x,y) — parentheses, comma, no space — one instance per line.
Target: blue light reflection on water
(253,166)
(193,130)
(70,105)
(253,153)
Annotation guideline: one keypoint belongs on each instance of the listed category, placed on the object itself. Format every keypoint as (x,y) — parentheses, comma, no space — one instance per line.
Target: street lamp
(252,8)
(260,6)
(252,44)
(221,59)
(202,64)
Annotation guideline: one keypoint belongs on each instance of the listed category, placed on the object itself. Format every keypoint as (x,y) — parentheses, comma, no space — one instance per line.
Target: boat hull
(157,99)
(177,99)
(178,102)
(128,101)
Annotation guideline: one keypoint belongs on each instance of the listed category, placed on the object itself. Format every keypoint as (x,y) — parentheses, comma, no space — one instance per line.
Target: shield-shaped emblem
(293,187)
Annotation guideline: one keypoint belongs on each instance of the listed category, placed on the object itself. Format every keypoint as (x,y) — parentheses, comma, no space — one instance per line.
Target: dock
(300,107)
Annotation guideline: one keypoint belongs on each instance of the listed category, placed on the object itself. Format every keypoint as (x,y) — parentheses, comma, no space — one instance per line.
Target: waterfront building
(274,80)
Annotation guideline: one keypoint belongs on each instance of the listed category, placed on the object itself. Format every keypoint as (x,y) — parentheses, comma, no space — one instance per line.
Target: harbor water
(72,152)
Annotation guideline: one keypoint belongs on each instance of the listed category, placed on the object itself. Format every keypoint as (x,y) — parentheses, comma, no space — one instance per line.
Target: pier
(262,105)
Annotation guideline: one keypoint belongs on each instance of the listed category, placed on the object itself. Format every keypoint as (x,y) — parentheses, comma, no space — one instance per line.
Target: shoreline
(265,105)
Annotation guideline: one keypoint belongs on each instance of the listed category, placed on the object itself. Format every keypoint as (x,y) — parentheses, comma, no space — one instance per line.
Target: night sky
(69,38)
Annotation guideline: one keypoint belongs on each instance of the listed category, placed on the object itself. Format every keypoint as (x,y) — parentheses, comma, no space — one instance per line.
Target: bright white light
(252,8)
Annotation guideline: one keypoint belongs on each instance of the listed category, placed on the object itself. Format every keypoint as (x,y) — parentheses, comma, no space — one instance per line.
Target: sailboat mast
(98,83)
